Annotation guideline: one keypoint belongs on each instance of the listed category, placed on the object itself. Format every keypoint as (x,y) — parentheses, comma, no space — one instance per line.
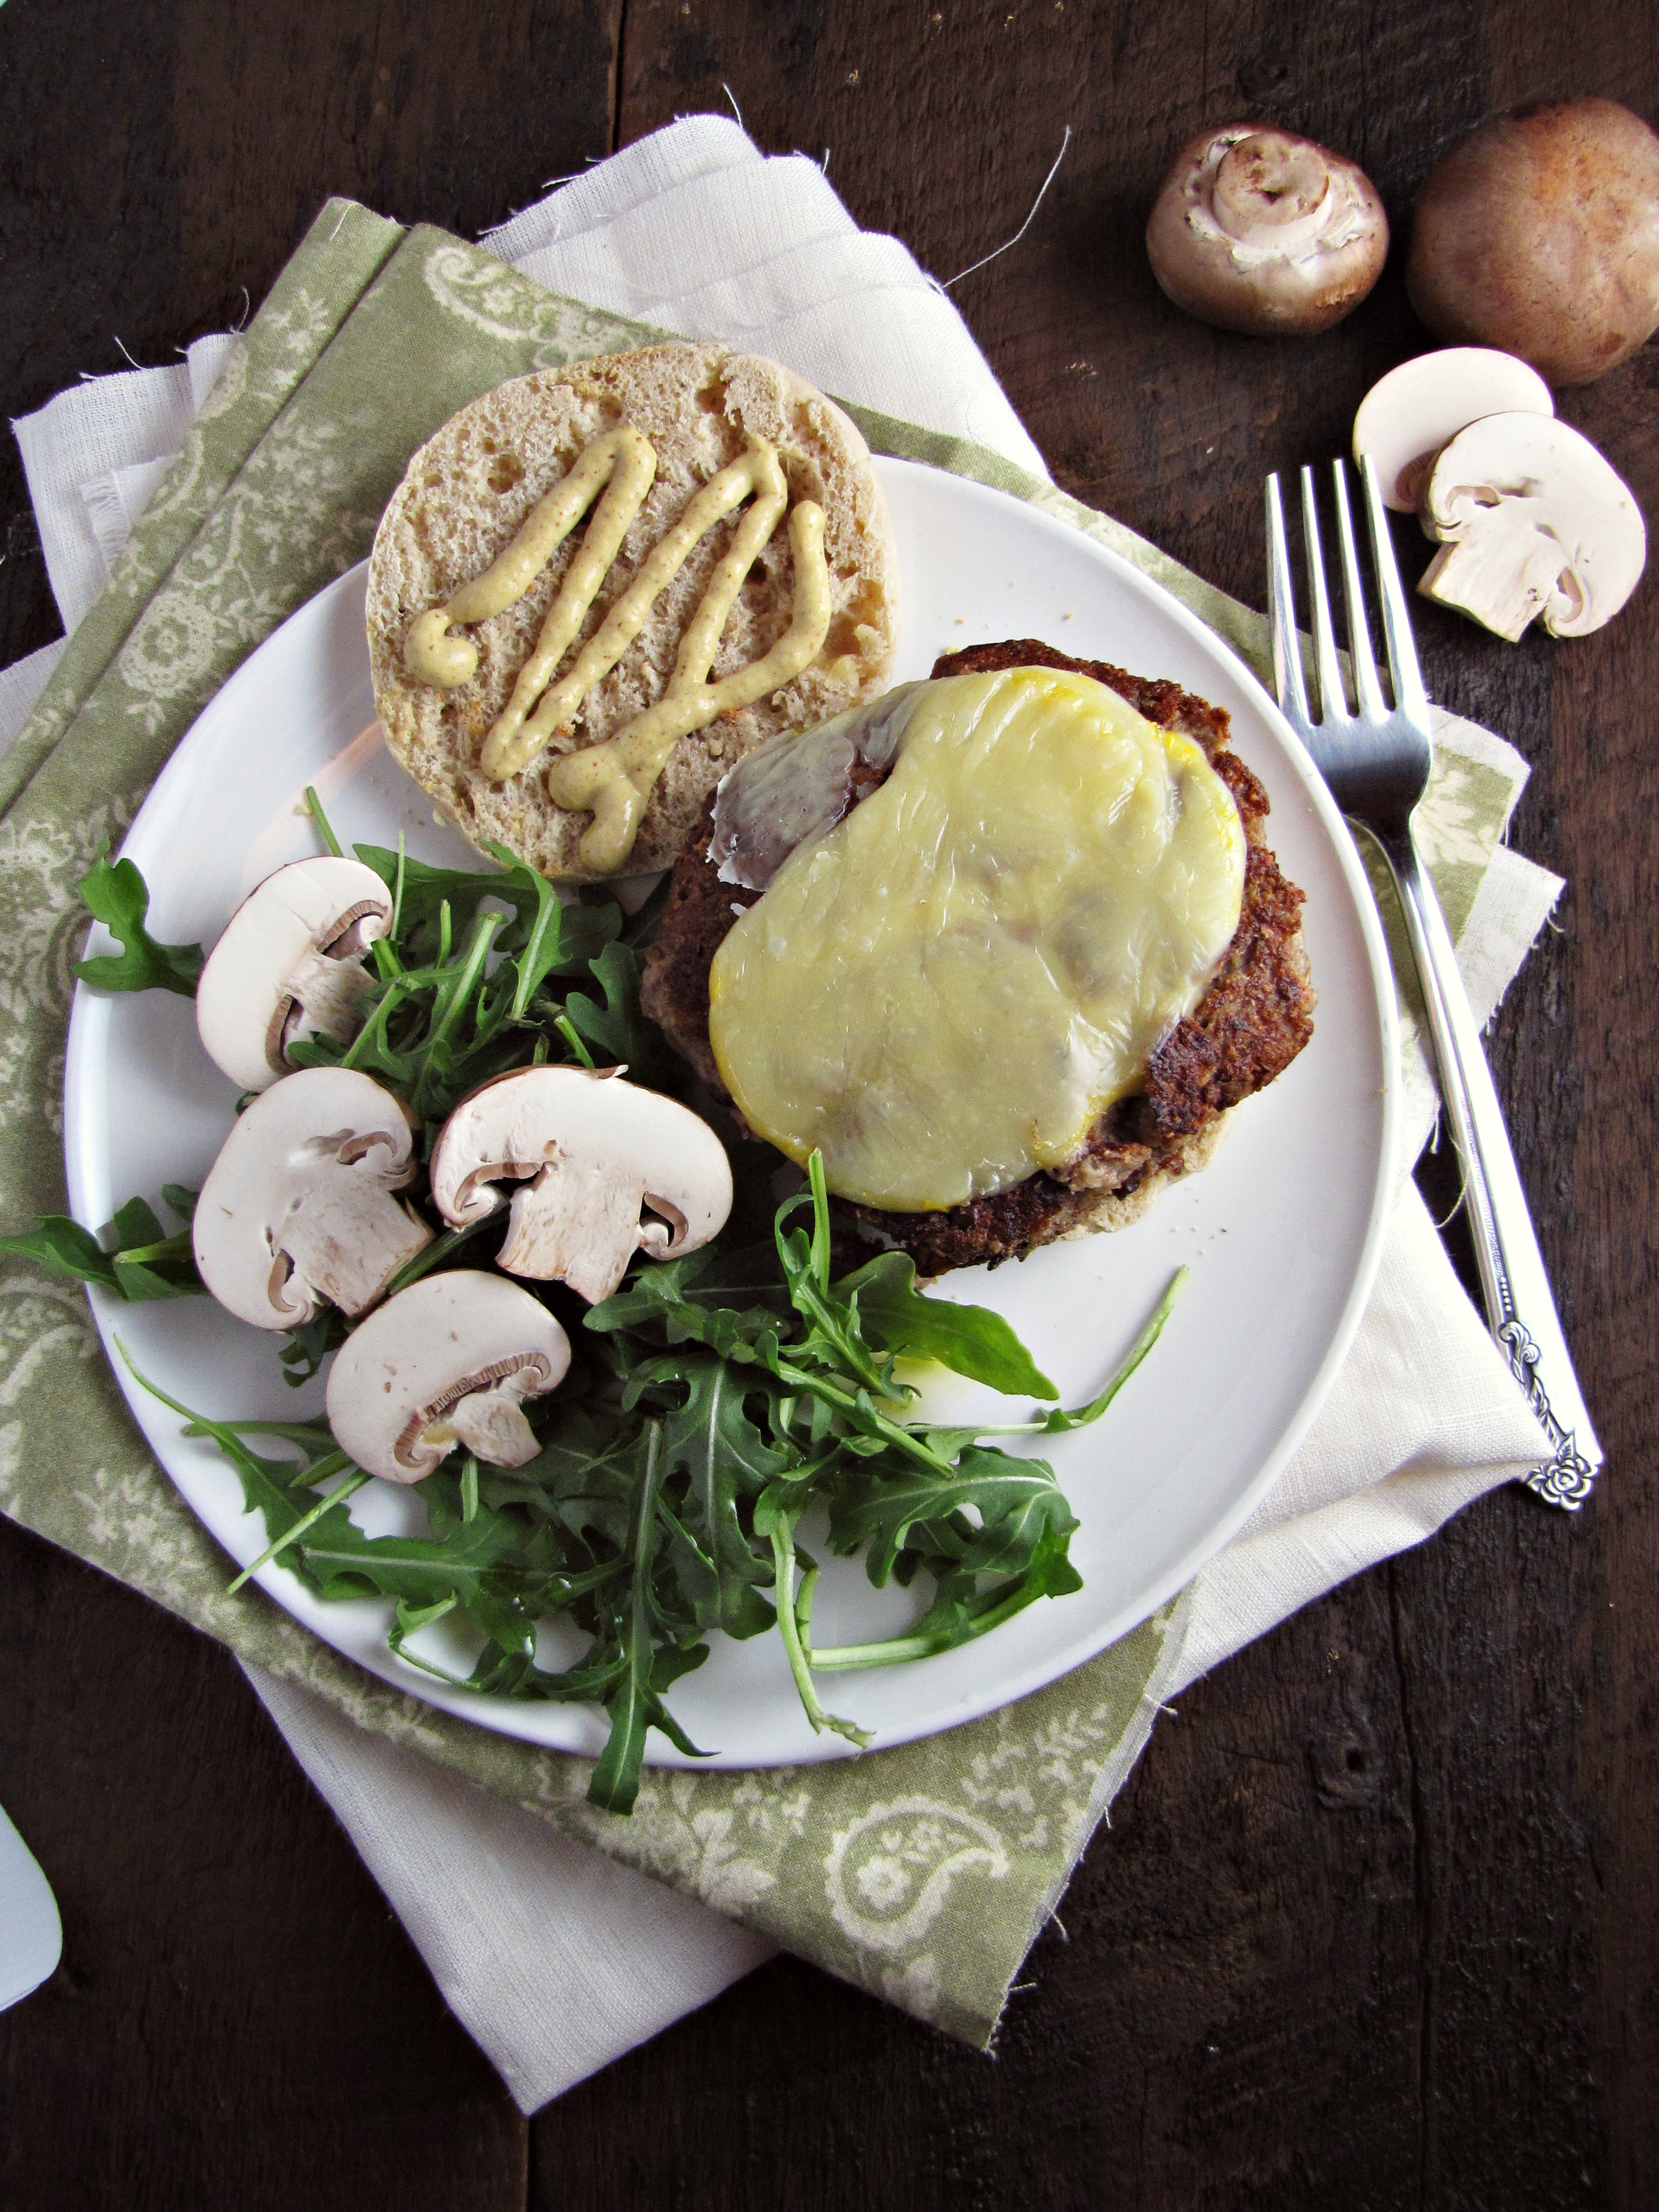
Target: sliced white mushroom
(449,1361)
(297,1210)
(1535,522)
(288,966)
(604,1169)
(1408,415)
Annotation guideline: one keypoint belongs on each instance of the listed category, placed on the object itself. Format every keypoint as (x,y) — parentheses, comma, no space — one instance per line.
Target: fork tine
(1281,607)
(1333,694)
(1370,691)
(1404,672)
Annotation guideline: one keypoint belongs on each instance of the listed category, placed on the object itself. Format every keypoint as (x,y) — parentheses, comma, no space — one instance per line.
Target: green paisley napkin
(921,1873)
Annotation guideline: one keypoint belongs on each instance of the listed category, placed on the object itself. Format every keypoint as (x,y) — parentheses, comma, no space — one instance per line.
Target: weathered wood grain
(237,2017)
(1375,1924)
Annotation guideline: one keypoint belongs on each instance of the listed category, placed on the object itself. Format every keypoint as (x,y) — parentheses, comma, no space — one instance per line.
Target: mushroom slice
(604,1170)
(287,966)
(1407,415)
(1534,521)
(297,1210)
(449,1361)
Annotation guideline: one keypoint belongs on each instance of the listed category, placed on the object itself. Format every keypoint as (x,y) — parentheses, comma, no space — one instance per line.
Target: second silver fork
(1376,761)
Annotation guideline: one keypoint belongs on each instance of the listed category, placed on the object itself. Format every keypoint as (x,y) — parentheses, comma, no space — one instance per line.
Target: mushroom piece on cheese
(288,966)
(1408,415)
(449,1361)
(1533,521)
(604,1169)
(297,1210)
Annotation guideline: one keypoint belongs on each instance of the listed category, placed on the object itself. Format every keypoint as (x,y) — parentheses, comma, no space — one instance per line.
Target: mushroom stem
(1502,574)
(575,1224)
(348,1245)
(492,1426)
(328,995)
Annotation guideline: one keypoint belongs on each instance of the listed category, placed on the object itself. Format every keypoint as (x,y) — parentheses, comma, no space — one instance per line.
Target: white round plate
(1282,1232)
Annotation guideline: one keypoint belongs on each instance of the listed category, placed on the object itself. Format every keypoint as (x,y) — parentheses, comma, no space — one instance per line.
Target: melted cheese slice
(948,990)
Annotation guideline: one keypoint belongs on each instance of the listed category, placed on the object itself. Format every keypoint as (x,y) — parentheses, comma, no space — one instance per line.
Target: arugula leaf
(617,1030)
(1015,1499)
(1056,1422)
(63,1248)
(308,1343)
(971,1340)
(119,897)
(134,1257)
(728,1458)
(635,1704)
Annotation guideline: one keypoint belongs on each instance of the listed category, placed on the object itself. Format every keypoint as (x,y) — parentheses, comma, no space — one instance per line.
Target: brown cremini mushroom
(1539,234)
(1259,231)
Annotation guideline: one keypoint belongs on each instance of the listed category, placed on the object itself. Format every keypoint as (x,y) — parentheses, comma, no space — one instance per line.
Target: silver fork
(1376,763)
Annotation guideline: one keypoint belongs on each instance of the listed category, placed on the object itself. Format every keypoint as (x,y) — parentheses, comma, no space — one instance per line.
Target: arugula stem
(820,1222)
(324,828)
(470,1488)
(894,1650)
(176,1246)
(461,990)
(295,1432)
(373,1031)
(440,1249)
(900,1438)
(568,1030)
(783,1559)
(353,1482)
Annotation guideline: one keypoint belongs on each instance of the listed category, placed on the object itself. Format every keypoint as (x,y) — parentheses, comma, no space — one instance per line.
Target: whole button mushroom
(297,1210)
(449,1361)
(287,966)
(1263,232)
(604,1169)
(1535,522)
(1539,232)
(1408,415)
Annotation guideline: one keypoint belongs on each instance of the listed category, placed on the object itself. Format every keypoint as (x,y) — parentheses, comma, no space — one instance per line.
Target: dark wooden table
(1377,1921)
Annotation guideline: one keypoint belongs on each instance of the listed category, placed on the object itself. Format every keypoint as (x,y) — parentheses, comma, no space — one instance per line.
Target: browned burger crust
(1251,1023)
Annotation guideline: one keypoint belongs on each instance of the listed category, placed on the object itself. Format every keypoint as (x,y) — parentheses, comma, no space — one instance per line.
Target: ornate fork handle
(1519,1306)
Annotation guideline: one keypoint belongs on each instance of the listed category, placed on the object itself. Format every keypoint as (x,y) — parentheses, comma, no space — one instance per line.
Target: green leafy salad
(712,1402)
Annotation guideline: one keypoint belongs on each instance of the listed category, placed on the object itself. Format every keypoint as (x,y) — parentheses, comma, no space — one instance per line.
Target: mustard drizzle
(614,780)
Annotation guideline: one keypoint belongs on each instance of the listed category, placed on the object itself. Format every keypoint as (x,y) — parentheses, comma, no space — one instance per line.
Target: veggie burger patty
(1252,1020)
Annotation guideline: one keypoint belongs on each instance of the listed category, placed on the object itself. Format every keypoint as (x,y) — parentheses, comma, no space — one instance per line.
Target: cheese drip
(613,780)
(946,991)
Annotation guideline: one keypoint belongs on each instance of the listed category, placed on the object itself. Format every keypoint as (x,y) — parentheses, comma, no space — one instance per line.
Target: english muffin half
(477,484)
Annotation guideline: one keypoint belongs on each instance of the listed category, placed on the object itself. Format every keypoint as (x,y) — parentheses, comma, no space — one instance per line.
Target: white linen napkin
(555,1959)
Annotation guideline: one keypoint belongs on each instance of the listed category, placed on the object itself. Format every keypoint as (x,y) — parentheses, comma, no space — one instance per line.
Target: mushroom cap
(591,1154)
(243,992)
(1540,232)
(1534,521)
(414,1365)
(1408,415)
(1259,231)
(297,1209)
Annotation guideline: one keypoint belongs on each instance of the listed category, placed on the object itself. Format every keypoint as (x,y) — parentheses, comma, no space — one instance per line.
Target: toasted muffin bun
(471,486)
